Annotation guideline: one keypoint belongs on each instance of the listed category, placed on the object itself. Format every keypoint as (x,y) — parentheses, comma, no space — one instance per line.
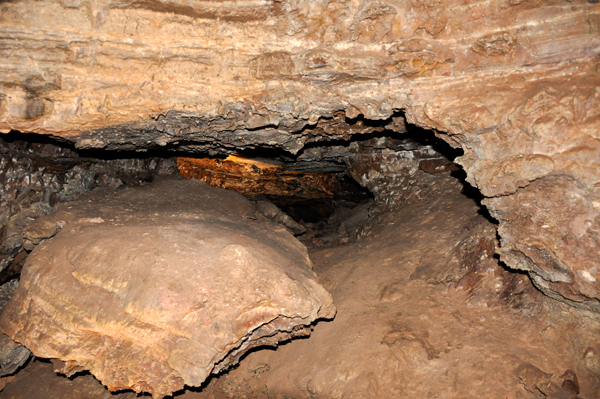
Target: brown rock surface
(258,177)
(154,287)
(34,176)
(424,311)
(514,83)
(558,249)
(39,380)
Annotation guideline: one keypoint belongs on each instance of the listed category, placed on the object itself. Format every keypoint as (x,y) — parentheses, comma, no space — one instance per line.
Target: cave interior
(300,199)
(345,197)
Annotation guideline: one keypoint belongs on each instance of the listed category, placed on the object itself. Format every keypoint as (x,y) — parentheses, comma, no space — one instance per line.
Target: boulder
(156,287)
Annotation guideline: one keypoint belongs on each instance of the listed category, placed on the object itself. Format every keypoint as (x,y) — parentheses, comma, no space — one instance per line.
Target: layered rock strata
(253,177)
(156,287)
(514,83)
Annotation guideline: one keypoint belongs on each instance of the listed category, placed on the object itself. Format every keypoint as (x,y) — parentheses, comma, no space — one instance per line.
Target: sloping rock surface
(425,311)
(159,286)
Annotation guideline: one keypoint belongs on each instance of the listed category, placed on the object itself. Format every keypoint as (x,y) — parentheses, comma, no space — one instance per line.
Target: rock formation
(159,286)
(514,83)
(425,311)
(40,381)
(12,355)
(258,177)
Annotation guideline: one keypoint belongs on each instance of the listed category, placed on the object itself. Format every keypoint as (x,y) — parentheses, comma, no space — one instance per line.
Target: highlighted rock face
(155,287)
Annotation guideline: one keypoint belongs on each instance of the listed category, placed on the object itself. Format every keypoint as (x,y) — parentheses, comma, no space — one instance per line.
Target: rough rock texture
(12,355)
(393,169)
(253,177)
(159,286)
(7,290)
(515,83)
(566,270)
(424,311)
(271,212)
(35,176)
(39,380)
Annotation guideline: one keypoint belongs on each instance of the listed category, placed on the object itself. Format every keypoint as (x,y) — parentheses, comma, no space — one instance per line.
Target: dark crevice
(474,194)
(349,193)
(412,137)
(25,140)
(428,137)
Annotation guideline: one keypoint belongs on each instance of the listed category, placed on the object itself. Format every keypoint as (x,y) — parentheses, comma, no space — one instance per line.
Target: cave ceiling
(514,83)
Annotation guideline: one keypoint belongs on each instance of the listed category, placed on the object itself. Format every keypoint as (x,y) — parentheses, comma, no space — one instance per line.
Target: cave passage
(323,185)
(395,234)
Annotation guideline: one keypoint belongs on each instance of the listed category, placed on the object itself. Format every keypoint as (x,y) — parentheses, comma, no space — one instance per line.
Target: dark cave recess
(37,172)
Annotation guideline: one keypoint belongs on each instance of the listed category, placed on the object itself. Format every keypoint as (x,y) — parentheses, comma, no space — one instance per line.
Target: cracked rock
(12,355)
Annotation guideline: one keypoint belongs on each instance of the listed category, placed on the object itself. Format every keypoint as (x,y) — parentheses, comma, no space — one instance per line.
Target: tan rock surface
(160,286)
(424,311)
(515,83)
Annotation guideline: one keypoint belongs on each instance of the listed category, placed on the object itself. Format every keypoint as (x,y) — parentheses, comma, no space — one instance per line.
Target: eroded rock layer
(259,177)
(160,286)
(514,83)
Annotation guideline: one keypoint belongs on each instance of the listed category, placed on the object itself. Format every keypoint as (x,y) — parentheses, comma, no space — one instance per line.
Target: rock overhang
(513,83)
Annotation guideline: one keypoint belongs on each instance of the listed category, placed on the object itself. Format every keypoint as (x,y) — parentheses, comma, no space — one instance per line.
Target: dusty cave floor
(408,325)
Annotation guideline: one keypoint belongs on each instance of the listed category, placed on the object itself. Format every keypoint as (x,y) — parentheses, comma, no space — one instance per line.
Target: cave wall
(514,83)
(36,176)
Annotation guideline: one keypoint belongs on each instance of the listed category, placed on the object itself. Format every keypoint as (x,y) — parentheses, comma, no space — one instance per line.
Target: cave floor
(417,318)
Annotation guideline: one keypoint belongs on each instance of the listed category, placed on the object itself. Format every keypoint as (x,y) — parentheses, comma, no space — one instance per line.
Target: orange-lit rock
(258,177)
(159,286)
